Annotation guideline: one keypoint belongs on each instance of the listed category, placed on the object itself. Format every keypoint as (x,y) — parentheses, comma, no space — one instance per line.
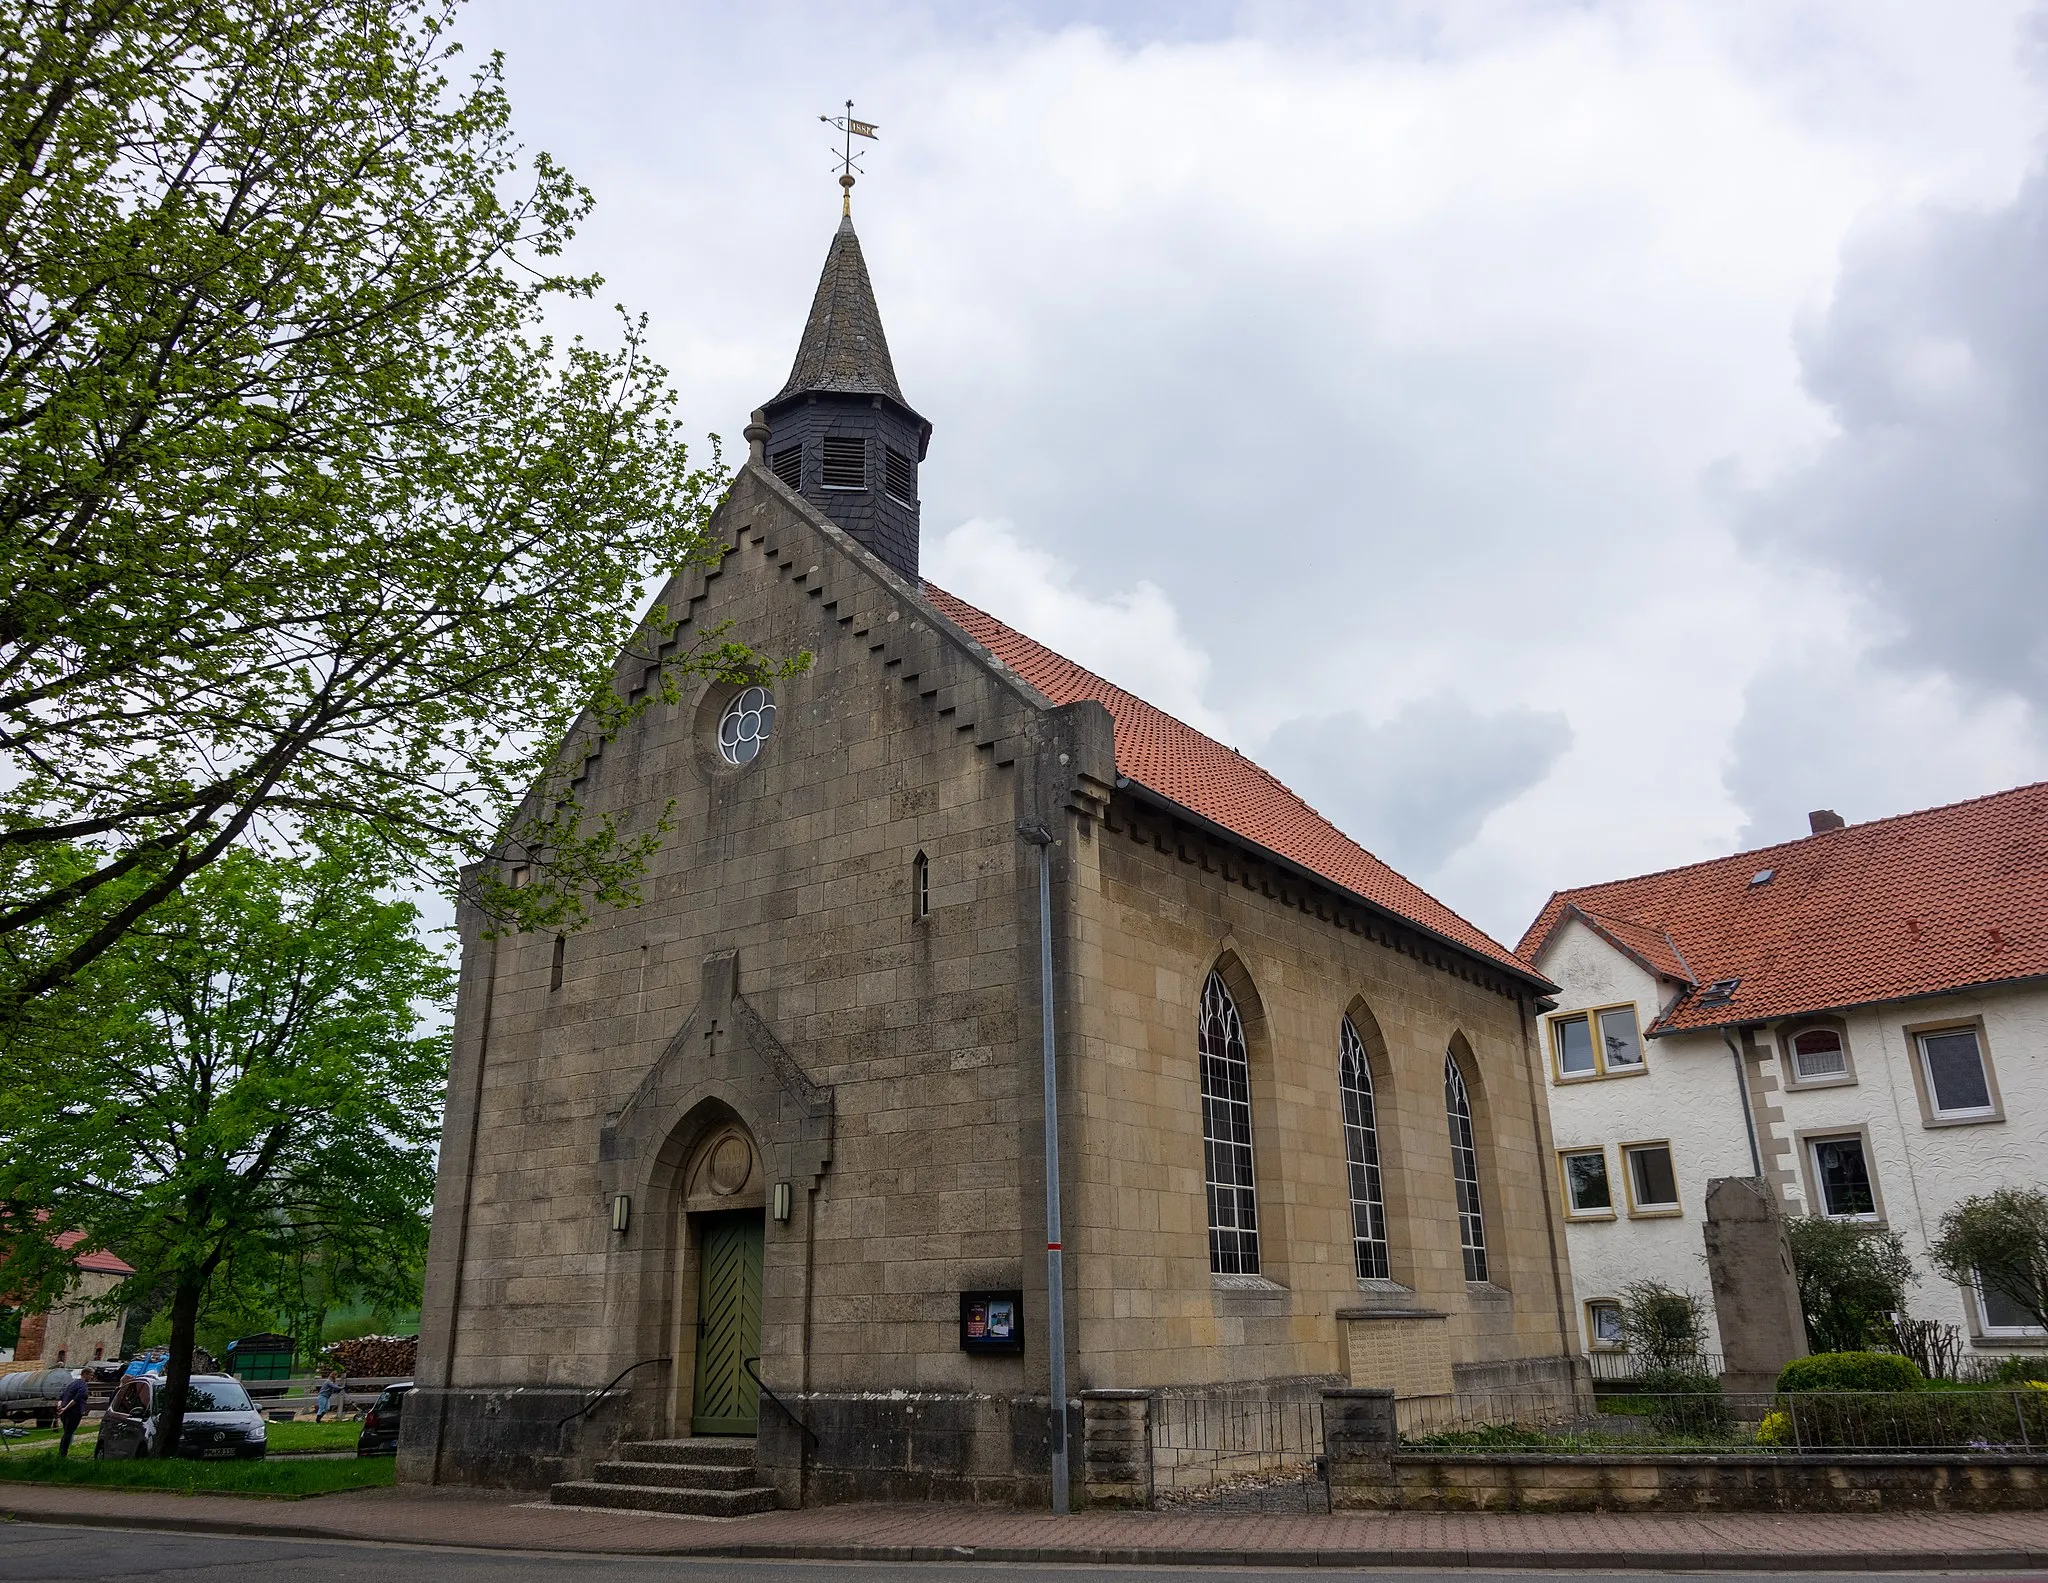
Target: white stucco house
(1859,1017)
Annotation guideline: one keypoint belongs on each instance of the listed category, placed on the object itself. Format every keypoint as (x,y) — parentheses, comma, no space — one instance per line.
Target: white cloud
(1375,356)
(1133,639)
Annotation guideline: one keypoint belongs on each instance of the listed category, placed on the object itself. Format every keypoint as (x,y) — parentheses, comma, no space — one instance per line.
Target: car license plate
(218,1451)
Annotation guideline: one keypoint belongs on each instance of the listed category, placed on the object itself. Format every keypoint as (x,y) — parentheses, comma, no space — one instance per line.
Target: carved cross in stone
(712,1035)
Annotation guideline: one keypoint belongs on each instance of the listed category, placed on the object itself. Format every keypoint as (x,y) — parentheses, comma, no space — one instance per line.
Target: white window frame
(1371,1255)
(1991,1332)
(1464,1130)
(1923,1072)
(1809,1147)
(1662,1210)
(1594,1339)
(1572,1211)
(1601,1067)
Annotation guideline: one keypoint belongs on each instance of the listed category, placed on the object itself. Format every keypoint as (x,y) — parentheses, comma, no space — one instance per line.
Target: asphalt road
(49,1554)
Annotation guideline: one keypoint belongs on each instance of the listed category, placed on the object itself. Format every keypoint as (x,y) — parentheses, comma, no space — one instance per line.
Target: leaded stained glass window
(1227,1135)
(1465,1170)
(1362,1153)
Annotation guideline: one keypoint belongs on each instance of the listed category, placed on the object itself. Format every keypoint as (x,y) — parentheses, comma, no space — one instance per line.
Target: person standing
(327,1390)
(71,1412)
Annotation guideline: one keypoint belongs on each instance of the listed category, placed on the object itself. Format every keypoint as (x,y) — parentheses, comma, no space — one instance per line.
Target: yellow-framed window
(1602,1041)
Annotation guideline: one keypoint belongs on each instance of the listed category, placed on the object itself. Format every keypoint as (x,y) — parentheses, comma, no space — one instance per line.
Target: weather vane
(849,162)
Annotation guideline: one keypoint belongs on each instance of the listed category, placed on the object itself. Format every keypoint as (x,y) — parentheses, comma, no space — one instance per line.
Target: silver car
(220,1420)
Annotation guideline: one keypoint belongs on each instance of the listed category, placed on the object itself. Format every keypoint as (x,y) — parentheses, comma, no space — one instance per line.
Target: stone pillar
(1116,1448)
(1359,1437)
(1756,1294)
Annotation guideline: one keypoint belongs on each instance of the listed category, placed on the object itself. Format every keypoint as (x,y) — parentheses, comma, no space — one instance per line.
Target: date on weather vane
(849,162)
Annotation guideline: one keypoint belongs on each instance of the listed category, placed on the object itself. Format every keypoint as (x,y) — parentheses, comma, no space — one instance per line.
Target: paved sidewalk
(1934,1541)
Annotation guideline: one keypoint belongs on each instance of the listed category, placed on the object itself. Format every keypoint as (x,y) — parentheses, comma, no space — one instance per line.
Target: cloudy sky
(1561,439)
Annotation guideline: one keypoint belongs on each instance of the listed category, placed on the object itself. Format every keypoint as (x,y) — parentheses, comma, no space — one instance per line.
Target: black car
(220,1420)
(380,1425)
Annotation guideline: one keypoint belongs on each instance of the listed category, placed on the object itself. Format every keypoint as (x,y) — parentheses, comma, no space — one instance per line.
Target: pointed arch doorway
(724,1205)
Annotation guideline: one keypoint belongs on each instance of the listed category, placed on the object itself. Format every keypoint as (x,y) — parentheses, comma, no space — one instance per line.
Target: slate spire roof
(843,348)
(1220,785)
(1926,903)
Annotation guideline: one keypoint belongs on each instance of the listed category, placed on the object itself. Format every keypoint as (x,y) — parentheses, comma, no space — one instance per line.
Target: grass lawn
(282,1476)
(302,1434)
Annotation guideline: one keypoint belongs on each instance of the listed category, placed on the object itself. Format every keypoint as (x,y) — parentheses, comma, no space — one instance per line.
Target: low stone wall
(510,1437)
(1779,1482)
(912,1446)
(1368,1470)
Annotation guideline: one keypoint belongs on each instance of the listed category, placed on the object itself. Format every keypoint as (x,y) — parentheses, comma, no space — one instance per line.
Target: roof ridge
(1780,846)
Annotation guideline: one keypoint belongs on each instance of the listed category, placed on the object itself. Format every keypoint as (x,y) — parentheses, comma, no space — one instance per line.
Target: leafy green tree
(302,515)
(2000,1238)
(1667,1329)
(1851,1280)
(241,1080)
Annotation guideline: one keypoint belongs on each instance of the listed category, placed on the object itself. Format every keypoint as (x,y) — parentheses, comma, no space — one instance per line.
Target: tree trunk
(170,1416)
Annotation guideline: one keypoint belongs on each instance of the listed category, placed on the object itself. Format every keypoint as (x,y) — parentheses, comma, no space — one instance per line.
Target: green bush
(1851,1371)
(1683,1401)
(1982,1420)
(1852,1278)
(2020,1371)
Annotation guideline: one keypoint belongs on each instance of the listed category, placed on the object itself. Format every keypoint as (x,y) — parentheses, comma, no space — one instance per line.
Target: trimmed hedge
(1852,1371)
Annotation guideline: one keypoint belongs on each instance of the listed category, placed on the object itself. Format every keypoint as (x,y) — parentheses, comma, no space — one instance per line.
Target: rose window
(745,725)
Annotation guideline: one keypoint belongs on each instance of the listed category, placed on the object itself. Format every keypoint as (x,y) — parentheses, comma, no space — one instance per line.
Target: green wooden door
(728,1402)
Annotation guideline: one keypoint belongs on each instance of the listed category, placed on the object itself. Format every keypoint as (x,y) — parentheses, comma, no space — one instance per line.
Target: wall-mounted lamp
(622,1212)
(782,1203)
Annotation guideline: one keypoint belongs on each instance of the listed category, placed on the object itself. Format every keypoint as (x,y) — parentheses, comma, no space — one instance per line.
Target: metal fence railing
(1902,1422)
(1610,1368)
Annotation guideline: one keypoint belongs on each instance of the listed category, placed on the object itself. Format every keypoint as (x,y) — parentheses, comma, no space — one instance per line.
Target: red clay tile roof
(98,1262)
(1926,902)
(1651,947)
(1224,787)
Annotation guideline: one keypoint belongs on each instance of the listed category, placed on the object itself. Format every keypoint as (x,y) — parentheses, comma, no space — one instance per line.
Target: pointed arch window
(921,887)
(1362,1154)
(1227,1135)
(1465,1170)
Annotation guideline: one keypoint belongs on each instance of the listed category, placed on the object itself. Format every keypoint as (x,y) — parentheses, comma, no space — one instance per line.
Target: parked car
(380,1425)
(220,1420)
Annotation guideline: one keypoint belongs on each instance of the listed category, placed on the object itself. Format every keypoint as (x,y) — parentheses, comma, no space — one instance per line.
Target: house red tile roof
(96,1261)
(1221,785)
(1944,899)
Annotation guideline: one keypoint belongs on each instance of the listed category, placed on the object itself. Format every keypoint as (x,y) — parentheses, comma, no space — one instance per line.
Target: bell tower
(839,431)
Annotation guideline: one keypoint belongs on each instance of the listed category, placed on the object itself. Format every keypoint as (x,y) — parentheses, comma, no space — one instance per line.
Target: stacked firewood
(374,1357)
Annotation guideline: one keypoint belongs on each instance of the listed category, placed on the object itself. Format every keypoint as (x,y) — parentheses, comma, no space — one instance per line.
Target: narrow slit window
(846,462)
(1362,1153)
(789,466)
(1227,1135)
(899,475)
(1465,1170)
(921,887)
(555,969)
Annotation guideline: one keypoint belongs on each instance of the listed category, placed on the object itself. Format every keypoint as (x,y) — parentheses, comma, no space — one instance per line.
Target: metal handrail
(601,1395)
(768,1391)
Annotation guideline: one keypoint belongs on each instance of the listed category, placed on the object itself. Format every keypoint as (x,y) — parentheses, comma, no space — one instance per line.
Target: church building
(760,1163)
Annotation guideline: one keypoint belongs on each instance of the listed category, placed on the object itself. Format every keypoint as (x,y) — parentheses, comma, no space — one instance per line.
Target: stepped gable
(1179,763)
(1944,899)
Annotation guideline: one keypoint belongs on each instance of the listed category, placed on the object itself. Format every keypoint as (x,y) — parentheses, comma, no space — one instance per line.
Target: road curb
(1464,1558)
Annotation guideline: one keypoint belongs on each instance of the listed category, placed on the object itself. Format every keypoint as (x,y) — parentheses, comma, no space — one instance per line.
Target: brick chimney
(1822,820)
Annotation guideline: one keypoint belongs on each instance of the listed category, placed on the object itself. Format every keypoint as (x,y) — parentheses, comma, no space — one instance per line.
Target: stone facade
(825,1012)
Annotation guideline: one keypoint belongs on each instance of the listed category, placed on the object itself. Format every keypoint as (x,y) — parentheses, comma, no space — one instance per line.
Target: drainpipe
(1756,1159)
(1055,1286)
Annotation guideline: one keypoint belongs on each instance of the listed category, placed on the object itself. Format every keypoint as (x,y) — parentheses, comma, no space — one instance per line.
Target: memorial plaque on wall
(991,1321)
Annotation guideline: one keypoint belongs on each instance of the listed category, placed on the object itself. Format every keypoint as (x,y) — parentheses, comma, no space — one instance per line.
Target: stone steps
(697,1477)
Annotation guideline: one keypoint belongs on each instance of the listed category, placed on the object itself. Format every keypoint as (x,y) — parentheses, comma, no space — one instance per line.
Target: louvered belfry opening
(841,411)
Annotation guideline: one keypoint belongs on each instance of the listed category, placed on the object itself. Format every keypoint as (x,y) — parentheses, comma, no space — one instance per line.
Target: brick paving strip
(501,1521)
